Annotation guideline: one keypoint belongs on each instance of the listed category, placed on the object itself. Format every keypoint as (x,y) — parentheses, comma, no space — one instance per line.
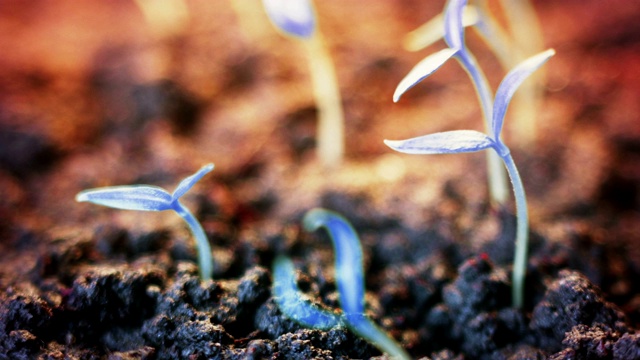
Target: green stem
(522,233)
(205,259)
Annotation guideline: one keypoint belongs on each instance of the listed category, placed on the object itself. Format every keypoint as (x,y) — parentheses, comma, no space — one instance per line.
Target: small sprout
(510,47)
(350,281)
(296,18)
(520,16)
(454,37)
(463,141)
(153,198)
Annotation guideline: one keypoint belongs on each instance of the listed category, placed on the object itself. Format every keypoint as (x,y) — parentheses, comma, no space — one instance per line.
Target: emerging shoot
(454,23)
(296,18)
(153,198)
(350,282)
(463,141)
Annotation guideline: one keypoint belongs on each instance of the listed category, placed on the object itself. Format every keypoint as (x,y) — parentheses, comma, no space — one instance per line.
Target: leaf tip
(207,168)
(391,143)
(82,196)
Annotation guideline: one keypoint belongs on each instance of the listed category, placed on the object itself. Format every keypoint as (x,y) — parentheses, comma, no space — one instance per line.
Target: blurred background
(97,93)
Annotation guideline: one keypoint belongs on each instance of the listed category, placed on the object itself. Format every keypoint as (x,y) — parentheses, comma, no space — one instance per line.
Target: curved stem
(350,279)
(496,173)
(495,36)
(291,302)
(522,233)
(205,260)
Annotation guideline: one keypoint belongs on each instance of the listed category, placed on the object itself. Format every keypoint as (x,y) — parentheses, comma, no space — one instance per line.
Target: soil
(91,96)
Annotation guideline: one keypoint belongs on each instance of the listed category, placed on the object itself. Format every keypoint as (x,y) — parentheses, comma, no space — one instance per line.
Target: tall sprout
(296,18)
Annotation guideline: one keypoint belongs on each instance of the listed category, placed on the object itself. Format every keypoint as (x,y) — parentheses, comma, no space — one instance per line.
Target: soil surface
(94,94)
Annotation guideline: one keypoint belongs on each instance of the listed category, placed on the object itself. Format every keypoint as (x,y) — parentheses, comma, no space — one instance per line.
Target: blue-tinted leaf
(433,30)
(294,17)
(423,69)
(349,268)
(188,182)
(449,142)
(135,197)
(510,84)
(453,28)
(290,301)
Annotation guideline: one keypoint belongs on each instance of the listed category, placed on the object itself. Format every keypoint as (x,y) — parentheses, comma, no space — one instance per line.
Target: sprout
(524,38)
(153,198)
(462,141)
(296,18)
(350,281)
(454,37)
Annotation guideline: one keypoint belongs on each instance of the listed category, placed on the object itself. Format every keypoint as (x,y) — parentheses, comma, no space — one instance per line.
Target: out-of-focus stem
(524,26)
(167,20)
(495,36)
(527,40)
(330,136)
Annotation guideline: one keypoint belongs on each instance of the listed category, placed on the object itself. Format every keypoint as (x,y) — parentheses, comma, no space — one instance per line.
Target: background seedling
(462,141)
(153,198)
(350,281)
(526,40)
(297,19)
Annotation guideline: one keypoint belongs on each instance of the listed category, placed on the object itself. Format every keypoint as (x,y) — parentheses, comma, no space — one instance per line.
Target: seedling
(350,281)
(153,198)
(297,19)
(509,47)
(454,37)
(463,141)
